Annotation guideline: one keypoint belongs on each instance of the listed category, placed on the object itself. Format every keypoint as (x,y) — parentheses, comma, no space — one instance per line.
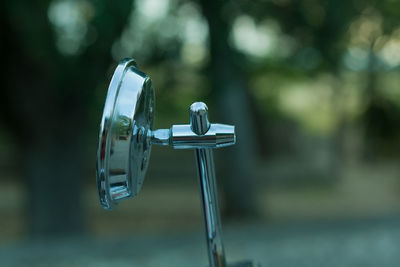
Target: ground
(352,222)
(373,242)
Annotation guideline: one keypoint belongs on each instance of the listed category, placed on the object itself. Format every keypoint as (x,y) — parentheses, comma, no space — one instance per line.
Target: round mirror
(124,140)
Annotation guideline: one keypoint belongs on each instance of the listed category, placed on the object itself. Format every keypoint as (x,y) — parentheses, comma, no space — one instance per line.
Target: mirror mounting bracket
(125,140)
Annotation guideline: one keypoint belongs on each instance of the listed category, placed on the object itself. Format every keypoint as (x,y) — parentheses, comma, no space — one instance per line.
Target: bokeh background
(312,87)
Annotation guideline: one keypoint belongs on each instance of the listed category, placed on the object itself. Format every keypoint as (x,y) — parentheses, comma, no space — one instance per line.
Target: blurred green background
(312,87)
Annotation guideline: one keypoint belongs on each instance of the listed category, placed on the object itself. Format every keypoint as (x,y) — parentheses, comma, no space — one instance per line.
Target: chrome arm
(182,137)
(202,136)
(208,188)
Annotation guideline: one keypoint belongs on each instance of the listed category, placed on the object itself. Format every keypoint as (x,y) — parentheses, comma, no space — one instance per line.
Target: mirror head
(124,140)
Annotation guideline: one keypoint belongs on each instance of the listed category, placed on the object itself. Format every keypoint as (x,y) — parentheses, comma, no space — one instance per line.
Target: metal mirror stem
(202,136)
(125,141)
(208,188)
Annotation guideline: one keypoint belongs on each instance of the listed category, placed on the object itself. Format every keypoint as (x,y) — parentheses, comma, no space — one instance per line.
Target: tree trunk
(45,103)
(54,174)
(231,98)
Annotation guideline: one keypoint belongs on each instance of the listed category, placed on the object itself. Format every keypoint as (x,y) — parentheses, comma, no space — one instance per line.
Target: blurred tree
(319,29)
(325,28)
(45,101)
(47,93)
(233,101)
(381,117)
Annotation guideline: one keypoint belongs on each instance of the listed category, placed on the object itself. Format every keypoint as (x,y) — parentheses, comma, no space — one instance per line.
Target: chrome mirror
(125,140)
(124,143)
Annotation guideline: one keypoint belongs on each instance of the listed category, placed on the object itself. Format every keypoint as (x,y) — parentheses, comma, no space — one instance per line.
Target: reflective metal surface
(208,187)
(181,136)
(198,113)
(125,141)
(124,148)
